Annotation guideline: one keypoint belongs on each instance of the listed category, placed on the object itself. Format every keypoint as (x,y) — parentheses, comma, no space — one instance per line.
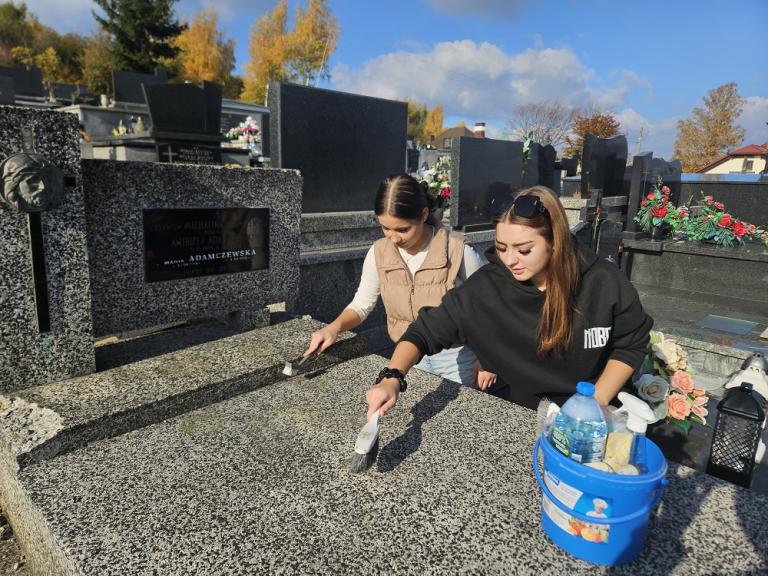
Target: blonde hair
(562,274)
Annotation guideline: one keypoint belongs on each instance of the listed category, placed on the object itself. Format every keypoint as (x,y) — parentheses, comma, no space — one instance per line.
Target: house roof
(455,132)
(749,150)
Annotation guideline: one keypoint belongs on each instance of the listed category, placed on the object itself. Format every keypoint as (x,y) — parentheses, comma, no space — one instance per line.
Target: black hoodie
(498,316)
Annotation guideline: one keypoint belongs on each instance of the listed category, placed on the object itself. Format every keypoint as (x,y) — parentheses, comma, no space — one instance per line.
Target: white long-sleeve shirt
(369,289)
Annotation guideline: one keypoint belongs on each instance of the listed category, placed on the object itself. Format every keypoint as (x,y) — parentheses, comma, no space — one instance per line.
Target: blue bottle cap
(585,388)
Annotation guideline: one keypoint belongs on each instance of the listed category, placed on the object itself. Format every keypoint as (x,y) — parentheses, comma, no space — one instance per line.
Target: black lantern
(737,433)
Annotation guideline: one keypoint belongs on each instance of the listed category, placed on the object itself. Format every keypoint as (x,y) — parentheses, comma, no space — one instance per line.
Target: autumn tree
(549,122)
(204,54)
(712,130)
(434,123)
(600,124)
(16,29)
(97,63)
(417,120)
(298,56)
(142,32)
(269,50)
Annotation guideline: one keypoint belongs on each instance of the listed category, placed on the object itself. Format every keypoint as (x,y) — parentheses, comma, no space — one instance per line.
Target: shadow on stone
(399,449)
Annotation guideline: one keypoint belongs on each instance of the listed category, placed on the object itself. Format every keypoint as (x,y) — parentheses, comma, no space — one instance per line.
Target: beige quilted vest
(402,297)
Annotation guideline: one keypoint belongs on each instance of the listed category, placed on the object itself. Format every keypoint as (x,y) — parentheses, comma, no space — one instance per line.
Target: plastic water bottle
(580,429)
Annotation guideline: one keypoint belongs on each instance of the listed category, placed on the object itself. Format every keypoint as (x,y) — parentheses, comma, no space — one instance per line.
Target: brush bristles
(361,462)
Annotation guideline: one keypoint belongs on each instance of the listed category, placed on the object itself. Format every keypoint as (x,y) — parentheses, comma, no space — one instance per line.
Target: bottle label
(560,441)
(584,502)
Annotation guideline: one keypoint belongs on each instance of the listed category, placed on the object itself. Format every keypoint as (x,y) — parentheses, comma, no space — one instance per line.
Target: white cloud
(481,82)
(658,137)
(753,118)
(496,8)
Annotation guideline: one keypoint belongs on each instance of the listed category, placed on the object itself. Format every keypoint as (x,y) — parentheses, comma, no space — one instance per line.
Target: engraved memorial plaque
(185,243)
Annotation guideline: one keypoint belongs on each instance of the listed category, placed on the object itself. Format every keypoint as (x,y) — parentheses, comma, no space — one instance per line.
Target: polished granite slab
(259,484)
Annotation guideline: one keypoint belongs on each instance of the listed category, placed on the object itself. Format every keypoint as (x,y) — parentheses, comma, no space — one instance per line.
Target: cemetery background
(316,254)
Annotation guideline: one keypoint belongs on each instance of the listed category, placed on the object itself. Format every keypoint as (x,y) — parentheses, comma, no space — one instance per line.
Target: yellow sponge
(618,448)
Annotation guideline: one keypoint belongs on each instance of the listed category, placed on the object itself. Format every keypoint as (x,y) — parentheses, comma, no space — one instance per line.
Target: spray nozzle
(639,414)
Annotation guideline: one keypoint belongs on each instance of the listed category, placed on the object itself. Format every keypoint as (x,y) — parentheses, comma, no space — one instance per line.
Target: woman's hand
(483,378)
(321,340)
(382,396)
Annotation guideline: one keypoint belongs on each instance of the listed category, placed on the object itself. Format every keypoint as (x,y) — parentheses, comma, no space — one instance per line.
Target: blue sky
(649,62)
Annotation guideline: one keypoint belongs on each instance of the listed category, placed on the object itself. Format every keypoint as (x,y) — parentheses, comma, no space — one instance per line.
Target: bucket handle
(593,520)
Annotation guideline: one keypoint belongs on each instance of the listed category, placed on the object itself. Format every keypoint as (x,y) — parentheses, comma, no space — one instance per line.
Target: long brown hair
(562,275)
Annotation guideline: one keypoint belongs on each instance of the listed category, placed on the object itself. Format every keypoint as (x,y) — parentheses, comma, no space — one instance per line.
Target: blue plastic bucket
(597,516)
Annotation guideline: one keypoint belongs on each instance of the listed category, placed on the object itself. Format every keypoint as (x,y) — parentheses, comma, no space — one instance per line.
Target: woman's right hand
(382,396)
(321,340)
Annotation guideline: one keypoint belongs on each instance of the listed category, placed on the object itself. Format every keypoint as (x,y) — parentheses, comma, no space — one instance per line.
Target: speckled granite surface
(258,484)
(116,194)
(42,421)
(28,357)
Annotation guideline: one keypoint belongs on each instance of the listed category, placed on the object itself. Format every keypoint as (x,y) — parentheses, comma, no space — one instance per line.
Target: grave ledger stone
(343,144)
(45,318)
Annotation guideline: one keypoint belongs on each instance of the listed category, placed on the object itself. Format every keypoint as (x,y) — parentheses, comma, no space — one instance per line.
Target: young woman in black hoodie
(543,314)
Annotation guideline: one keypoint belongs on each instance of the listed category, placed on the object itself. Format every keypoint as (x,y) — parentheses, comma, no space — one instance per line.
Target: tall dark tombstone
(7,92)
(603,165)
(343,144)
(547,175)
(640,183)
(412,160)
(126,86)
(186,122)
(486,173)
(25,82)
(531,166)
(670,173)
(569,166)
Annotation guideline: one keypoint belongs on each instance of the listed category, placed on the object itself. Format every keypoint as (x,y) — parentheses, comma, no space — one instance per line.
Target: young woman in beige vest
(416,263)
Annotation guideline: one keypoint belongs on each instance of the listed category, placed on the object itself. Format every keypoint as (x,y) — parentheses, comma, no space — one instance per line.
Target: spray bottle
(639,415)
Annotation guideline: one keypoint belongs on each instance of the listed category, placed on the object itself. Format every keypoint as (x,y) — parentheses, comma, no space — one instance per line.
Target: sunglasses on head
(528,206)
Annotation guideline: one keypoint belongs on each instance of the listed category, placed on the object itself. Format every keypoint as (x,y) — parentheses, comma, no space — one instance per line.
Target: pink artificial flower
(698,392)
(698,407)
(719,205)
(665,189)
(445,192)
(678,405)
(682,381)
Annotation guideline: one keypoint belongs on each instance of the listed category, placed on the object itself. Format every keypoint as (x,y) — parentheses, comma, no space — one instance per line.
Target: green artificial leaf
(684,424)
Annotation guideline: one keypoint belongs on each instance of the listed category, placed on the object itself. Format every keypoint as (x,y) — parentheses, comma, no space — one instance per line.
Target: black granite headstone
(70,92)
(531,166)
(486,174)
(547,175)
(343,144)
(670,173)
(25,82)
(603,165)
(569,165)
(127,85)
(412,160)
(7,93)
(639,184)
(184,108)
(609,239)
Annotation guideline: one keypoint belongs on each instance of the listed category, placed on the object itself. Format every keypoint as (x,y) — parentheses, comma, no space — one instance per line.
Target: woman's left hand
(483,378)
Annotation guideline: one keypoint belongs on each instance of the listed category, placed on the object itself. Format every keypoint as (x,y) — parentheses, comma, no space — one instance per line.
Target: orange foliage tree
(600,124)
(204,54)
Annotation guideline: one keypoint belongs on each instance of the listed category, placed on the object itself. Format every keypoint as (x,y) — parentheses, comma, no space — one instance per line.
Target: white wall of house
(737,165)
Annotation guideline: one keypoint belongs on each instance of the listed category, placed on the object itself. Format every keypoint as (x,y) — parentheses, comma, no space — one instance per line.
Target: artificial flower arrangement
(656,210)
(438,182)
(714,224)
(667,384)
(247,132)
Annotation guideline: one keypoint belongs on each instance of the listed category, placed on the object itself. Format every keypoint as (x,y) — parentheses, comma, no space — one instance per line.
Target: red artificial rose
(682,213)
(725,220)
(705,218)
(665,199)
(708,197)
(719,205)
(665,189)
(659,211)
(445,192)
(739,229)
(644,203)
(651,196)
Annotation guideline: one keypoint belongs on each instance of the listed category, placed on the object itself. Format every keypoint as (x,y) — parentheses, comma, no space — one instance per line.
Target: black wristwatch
(393,373)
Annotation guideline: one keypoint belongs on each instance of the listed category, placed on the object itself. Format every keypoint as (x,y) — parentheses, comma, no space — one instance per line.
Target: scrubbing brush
(292,368)
(366,445)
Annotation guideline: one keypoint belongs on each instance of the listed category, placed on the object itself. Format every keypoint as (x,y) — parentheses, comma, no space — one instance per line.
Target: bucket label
(583,502)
